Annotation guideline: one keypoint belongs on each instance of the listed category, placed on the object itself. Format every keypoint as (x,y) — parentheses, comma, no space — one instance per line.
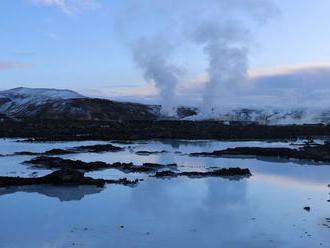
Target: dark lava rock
(225,172)
(308,209)
(123,142)
(70,128)
(58,152)
(249,151)
(50,152)
(146,153)
(159,166)
(98,148)
(79,149)
(61,177)
(26,153)
(317,153)
(60,163)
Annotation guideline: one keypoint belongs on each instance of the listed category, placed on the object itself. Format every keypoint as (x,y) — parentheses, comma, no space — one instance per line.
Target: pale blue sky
(42,46)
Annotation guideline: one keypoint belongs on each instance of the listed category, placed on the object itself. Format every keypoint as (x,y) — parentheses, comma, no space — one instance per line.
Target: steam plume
(226,38)
(152,55)
(222,28)
(228,60)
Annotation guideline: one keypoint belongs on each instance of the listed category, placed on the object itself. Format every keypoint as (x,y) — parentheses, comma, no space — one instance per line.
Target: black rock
(225,172)
(61,177)
(317,153)
(146,153)
(69,127)
(98,148)
(60,163)
(79,149)
(308,209)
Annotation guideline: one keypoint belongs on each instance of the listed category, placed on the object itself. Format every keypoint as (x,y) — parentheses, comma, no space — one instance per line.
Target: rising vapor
(224,29)
(152,55)
(226,37)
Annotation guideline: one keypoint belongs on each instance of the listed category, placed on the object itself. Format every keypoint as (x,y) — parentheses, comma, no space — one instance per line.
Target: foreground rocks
(225,172)
(98,148)
(62,177)
(147,153)
(317,153)
(60,163)
(79,149)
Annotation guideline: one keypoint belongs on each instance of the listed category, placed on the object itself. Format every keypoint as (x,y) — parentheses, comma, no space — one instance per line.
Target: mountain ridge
(66,104)
(43,103)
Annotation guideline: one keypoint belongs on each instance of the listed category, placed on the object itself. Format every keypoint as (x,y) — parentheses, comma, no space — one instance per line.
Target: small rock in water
(308,209)
(121,226)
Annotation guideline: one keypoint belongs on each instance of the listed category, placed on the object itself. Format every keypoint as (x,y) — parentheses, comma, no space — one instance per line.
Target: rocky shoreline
(234,173)
(65,130)
(315,153)
(60,163)
(79,149)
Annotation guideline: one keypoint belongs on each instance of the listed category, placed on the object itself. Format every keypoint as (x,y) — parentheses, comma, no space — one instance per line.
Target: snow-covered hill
(54,103)
(21,96)
(67,104)
(25,100)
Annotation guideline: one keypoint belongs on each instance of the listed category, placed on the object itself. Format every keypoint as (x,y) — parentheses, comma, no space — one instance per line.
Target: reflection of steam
(209,207)
(74,193)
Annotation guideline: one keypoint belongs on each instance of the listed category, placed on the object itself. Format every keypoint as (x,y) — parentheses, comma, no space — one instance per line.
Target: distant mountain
(66,104)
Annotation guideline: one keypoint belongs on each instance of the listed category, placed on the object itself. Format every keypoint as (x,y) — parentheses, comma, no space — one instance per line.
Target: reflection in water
(72,193)
(265,210)
(177,144)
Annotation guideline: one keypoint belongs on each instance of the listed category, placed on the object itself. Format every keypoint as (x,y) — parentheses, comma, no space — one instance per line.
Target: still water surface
(265,210)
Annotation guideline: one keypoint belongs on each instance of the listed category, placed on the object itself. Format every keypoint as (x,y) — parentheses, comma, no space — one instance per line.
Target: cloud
(14,65)
(69,6)
(299,85)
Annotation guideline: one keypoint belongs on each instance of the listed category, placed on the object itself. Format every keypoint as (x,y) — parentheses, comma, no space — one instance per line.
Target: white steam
(153,55)
(223,29)
(226,37)
(227,54)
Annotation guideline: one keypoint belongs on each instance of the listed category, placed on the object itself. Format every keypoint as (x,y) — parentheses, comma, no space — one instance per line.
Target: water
(265,210)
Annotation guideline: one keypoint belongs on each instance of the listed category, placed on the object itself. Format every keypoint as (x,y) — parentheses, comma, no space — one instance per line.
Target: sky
(85,45)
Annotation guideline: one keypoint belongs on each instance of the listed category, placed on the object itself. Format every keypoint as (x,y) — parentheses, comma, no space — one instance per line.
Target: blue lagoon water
(265,210)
